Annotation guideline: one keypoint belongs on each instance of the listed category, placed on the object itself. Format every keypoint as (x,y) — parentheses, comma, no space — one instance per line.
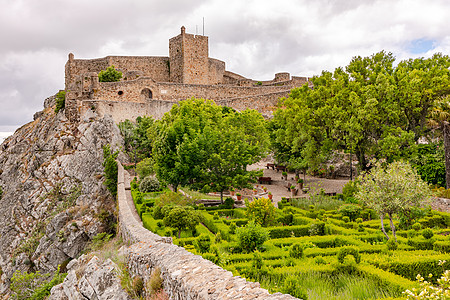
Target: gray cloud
(255,38)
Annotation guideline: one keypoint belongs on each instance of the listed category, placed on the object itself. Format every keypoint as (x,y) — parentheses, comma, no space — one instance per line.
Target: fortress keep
(151,85)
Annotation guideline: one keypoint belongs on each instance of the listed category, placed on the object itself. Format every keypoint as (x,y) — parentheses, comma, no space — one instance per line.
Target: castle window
(146,93)
(120,93)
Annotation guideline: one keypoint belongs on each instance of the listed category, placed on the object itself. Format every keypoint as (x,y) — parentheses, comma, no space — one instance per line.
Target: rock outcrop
(90,278)
(54,200)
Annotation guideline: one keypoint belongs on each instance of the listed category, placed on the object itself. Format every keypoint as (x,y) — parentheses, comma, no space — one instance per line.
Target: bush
(296,251)
(257,260)
(417,226)
(261,211)
(392,244)
(350,210)
(60,101)
(109,75)
(292,287)
(346,219)
(232,228)
(428,291)
(427,233)
(203,243)
(319,260)
(251,236)
(111,169)
(344,251)
(149,184)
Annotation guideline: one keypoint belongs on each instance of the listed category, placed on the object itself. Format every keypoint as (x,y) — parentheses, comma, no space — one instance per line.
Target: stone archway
(146,94)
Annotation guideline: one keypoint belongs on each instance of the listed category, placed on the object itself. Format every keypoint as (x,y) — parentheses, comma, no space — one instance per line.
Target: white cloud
(255,38)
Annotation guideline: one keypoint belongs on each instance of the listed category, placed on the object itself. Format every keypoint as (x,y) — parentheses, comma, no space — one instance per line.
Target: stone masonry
(151,85)
(185,275)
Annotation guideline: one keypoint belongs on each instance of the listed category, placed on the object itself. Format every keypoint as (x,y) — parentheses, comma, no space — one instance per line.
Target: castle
(151,85)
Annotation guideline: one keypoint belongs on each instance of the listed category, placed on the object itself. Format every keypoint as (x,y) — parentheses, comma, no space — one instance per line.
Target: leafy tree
(439,118)
(199,143)
(392,189)
(60,101)
(109,75)
(261,211)
(371,108)
(430,163)
(181,218)
(138,137)
(145,167)
(111,169)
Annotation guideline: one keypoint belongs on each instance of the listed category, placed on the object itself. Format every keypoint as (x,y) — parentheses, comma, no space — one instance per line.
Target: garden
(312,248)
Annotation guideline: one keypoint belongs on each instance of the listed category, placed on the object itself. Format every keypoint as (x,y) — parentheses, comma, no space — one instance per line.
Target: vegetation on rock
(109,75)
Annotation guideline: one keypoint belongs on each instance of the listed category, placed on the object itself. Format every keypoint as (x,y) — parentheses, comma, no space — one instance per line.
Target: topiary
(417,226)
(296,251)
(344,251)
(427,233)
(149,184)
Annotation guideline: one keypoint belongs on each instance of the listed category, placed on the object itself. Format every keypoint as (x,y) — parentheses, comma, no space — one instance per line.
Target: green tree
(109,75)
(371,108)
(392,189)
(199,143)
(261,211)
(181,218)
(439,118)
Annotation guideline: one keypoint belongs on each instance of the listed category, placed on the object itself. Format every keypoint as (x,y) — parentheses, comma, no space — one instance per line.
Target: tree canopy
(201,144)
(371,108)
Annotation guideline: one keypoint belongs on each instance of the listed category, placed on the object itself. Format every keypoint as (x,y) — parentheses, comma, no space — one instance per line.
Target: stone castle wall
(185,275)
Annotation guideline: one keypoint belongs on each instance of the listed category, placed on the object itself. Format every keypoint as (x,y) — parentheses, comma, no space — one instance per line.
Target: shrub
(346,219)
(111,169)
(392,244)
(319,260)
(232,228)
(344,251)
(427,233)
(292,287)
(60,101)
(109,75)
(257,261)
(428,291)
(228,203)
(350,210)
(203,243)
(296,251)
(218,237)
(149,184)
(442,246)
(417,226)
(359,220)
(251,236)
(216,216)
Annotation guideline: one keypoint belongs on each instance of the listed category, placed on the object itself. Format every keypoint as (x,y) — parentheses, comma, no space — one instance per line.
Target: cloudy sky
(256,38)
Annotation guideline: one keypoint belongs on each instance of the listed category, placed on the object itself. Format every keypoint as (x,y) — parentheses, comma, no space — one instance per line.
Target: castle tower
(189,62)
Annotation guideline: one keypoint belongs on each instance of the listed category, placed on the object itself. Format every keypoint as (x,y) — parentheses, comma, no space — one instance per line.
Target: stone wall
(151,66)
(185,275)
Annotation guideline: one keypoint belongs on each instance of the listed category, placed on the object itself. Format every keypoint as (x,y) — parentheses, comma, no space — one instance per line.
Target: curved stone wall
(185,275)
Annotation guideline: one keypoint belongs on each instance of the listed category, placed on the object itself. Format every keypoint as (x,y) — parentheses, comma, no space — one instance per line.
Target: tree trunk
(221,197)
(382,226)
(446,133)
(392,226)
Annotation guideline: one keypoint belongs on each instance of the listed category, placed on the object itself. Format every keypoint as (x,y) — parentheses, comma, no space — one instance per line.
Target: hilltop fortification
(151,85)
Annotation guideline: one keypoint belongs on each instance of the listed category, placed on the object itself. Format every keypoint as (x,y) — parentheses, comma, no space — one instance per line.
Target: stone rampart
(185,275)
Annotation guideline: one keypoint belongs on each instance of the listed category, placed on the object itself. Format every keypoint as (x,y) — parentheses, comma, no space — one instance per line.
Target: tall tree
(199,143)
(439,118)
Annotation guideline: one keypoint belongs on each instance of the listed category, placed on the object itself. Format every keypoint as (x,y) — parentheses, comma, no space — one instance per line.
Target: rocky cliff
(53,198)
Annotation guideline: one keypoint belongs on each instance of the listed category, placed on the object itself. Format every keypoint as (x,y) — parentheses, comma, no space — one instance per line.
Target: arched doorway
(146,94)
